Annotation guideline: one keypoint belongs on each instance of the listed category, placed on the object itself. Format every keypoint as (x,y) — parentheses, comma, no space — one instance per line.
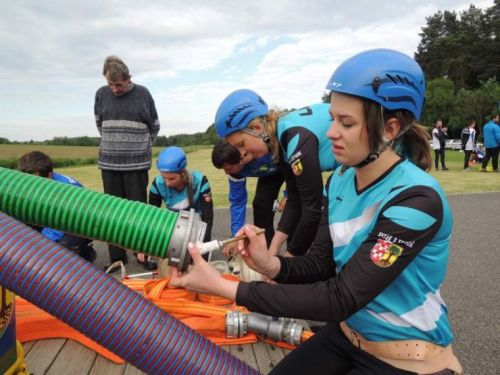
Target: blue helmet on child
(171,159)
(237,110)
(390,78)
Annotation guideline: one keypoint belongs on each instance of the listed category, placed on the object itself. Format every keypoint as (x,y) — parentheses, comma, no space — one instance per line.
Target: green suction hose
(132,225)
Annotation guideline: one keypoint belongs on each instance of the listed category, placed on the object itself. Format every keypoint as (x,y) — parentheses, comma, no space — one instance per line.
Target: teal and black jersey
(306,152)
(377,262)
(302,126)
(395,234)
(179,200)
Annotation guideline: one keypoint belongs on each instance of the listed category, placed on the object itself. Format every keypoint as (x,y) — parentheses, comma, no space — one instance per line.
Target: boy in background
(40,164)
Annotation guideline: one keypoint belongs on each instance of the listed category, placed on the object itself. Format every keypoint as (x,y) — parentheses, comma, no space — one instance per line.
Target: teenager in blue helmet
(375,268)
(180,188)
(297,142)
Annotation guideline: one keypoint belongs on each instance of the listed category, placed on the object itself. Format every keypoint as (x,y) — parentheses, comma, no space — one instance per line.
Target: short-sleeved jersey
(179,200)
(399,225)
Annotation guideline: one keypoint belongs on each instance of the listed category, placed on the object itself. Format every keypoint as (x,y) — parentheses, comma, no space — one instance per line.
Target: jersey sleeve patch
(385,253)
(297,167)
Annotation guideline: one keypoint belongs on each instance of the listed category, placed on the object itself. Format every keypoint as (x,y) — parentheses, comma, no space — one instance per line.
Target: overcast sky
(189,54)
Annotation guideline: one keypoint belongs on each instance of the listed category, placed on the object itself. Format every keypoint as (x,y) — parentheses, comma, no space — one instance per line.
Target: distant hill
(207,137)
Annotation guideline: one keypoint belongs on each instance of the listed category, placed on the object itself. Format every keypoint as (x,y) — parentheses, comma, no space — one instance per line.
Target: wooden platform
(61,356)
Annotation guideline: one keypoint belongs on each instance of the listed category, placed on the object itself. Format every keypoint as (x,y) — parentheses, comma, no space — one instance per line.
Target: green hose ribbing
(128,224)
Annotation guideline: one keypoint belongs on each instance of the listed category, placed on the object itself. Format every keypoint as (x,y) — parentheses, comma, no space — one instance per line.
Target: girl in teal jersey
(296,142)
(377,263)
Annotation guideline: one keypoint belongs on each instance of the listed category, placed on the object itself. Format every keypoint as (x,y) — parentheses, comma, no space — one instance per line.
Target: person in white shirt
(468,142)
(439,135)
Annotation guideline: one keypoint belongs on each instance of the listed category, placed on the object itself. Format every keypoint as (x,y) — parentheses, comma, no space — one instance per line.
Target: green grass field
(454,181)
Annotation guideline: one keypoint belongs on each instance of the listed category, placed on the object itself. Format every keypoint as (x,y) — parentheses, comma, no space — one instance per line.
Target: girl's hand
(203,278)
(253,251)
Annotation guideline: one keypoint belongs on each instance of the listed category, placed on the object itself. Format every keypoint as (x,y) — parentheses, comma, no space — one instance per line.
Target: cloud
(190,54)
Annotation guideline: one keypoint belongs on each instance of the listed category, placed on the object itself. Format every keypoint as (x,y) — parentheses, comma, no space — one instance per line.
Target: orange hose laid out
(206,316)
(33,323)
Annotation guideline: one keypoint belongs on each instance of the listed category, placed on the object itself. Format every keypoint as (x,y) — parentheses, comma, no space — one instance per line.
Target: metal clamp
(188,228)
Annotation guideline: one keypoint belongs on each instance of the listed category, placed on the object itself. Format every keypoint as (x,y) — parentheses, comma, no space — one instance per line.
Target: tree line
(460,55)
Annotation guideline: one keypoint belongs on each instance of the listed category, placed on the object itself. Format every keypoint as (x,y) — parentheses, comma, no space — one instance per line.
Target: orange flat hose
(206,316)
(32,323)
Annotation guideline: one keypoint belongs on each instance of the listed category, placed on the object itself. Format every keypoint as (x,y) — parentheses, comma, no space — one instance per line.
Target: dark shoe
(149,266)
(444,169)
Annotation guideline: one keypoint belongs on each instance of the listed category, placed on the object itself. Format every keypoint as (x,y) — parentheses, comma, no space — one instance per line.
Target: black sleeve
(207,208)
(317,264)
(361,280)
(464,138)
(154,199)
(302,212)
(97,112)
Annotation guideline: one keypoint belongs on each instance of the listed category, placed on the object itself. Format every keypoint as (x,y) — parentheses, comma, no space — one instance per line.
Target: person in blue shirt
(491,137)
(270,178)
(180,189)
(296,142)
(40,164)
(375,269)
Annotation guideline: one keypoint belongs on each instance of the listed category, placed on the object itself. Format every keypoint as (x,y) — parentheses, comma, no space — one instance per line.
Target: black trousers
(330,352)
(439,154)
(268,188)
(467,154)
(130,185)
(493,154)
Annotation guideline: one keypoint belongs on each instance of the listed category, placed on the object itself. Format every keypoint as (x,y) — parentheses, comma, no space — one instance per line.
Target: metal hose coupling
(188,228)
(279,329)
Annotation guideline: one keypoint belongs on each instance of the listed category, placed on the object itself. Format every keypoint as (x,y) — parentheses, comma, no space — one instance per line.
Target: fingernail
(190,245)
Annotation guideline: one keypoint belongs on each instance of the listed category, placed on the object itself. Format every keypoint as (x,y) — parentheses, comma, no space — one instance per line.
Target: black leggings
(268,188)
(439,154)
(330,352)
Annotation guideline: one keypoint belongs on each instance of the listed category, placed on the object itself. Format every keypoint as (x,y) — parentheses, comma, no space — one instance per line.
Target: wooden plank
(275,353)
(132,370)
(27,347)
(246,354)
(262,356)
(74,358)
(42,354)
(103,366)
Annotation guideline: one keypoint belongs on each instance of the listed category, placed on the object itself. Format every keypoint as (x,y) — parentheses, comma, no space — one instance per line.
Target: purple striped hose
(103,309)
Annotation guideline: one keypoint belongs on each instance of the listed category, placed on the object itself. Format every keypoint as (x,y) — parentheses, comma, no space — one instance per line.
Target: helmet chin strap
(372,156)
(264,136)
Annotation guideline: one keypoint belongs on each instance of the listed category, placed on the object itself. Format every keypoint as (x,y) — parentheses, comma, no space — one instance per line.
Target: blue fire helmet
(390,78)
(172,160)
(237,110)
